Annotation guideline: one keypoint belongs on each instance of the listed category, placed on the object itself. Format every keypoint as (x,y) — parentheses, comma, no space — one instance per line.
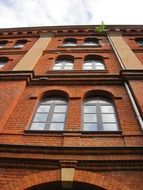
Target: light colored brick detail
(128,58)
(67,175)
(32,56)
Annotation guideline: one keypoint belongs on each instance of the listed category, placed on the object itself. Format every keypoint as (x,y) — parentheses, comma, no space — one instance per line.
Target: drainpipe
(127,86)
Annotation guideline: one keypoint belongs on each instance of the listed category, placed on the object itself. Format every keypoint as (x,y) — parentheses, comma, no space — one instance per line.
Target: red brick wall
(18,122)
(15,54)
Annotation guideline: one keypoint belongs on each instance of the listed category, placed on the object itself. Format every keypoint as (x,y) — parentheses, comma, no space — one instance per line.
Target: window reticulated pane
(91,42)
(99,115)
(63,65)
(50,115)
(92,64)
(70,42)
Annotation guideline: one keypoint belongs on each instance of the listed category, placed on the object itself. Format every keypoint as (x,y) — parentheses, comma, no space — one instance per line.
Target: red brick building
(71,108)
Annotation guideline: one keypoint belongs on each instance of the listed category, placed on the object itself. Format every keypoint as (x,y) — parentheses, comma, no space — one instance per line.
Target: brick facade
(34,159)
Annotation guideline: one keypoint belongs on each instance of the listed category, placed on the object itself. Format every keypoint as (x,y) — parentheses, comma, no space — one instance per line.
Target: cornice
(131,74)
(99,158)
(110,150)
(78,50)
(72,77)
(70,30)
(12,51)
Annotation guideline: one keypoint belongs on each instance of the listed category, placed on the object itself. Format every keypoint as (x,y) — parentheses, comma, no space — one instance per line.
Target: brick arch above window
(99,92)
(55,92)
(55,175)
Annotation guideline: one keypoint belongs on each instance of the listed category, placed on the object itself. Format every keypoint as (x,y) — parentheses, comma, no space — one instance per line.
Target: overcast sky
(25,13)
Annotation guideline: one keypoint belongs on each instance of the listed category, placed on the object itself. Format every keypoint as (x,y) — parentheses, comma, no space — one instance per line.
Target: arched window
(70,42)
(99,115)
(93,63)
(3,61)
(50,114)
(3,43)
(64,63)
(20,43)
(139,41)
(91,42)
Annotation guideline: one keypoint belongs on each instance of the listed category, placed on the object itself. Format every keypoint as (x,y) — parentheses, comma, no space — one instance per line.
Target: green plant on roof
(101,28)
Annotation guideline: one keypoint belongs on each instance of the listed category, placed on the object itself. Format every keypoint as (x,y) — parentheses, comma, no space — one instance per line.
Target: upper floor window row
(87,42)
(18,44)
(98,114)
(90,62)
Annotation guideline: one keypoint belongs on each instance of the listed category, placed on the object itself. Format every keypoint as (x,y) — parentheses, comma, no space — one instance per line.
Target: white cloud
(19,13)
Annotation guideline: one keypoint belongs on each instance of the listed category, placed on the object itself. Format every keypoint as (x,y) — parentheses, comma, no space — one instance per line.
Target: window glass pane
(40,117)
(107,109)
(60,102)
(90,127)
(56,68)
(88,67)
(69,44)
(60,108)
(87,64)
(108,118)
(47,101)
(58,117)
(19,45)
(57,126)
(89,109)
(110,127)
(69,64)
(58,64)
(37,126)
(90,118)
(90,102)
(99,67)
(43,108)
(67,68)
(2,65)
(2,45)
(103,102)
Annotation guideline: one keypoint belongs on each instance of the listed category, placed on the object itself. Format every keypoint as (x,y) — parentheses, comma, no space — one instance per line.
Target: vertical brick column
(125,54)
(32,56)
